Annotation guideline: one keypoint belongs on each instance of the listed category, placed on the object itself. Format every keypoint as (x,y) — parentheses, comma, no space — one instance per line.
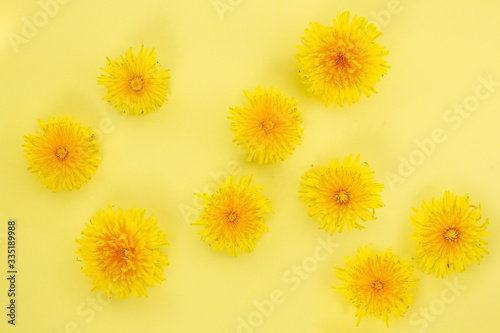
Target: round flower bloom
(233,216)
(121,252)
(377,284)
(448,234)
(340,194)
(269,128)
(341,61)
(64,155)
(135,85)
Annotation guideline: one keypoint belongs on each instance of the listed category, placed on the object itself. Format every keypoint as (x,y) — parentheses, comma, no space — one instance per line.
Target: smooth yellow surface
(439,50)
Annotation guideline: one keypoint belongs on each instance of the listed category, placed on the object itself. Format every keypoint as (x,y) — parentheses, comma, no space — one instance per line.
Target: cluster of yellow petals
(344,193)
(448,234)
(340,61)
(233,216)
(135,85)
(120,251)
(64,155)
(378,284)
(269,128)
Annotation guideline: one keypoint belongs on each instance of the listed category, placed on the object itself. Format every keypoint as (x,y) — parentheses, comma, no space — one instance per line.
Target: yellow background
(438,52)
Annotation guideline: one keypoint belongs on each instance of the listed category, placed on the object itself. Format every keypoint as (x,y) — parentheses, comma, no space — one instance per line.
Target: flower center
(267,125)
(338,63)
(342,197)
(341,54)
(61,153)
(451,234)
(377,285)
(122,253)
(137,83)
(341,58)
(232,217)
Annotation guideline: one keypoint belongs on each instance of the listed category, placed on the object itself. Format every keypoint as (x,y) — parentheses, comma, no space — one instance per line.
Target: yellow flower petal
(269,128)
(341,194)
(378,284)
(121,252)
(448,234)
(233,216)
(341,61)
(135,85)
(64,155)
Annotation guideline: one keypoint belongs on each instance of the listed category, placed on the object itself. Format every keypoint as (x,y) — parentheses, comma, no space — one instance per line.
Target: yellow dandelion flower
(121,252)
(341,194)
(64,155)
(448,234)
(135,85)
(377,284)
(269,128)
(341,61)
(233,216)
